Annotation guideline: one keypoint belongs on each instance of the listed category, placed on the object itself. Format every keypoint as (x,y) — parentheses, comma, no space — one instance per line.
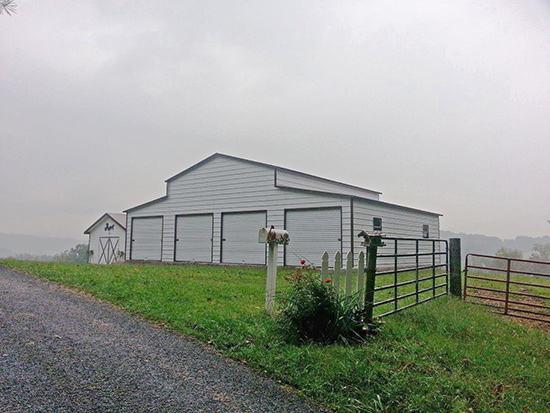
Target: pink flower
(303,262)
(327,280)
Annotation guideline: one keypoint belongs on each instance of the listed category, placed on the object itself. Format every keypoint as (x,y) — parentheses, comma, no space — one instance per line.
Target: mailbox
(372,238)
(273,236)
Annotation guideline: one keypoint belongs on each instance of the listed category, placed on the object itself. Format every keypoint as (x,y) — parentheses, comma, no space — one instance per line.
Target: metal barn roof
(344,193)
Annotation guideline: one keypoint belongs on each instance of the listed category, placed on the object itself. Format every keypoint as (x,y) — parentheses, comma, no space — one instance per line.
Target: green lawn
(444,355)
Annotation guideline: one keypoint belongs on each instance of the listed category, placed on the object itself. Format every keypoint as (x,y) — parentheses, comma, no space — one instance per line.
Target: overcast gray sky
(440,105)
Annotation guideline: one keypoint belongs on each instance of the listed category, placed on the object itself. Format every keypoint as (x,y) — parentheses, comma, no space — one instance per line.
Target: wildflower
(303,262)
(327,280)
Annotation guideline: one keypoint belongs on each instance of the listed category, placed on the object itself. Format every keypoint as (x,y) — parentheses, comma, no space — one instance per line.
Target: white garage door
(194,238)
(146,239)
(240,238)
(312,232)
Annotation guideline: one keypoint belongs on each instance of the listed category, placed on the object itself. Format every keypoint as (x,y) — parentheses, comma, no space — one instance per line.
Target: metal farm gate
(399,273)
(408,272)
(515,287)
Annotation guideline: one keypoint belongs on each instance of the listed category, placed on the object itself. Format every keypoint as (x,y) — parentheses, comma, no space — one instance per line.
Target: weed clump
(313,311)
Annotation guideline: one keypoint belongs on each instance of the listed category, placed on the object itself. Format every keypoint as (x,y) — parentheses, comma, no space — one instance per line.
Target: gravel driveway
(64,351)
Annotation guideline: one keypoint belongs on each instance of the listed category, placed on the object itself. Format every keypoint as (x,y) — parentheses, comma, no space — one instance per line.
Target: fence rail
(518,294)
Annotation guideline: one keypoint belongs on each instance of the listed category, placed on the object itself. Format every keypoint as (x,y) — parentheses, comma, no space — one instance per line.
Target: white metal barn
(107,239)
(212,213)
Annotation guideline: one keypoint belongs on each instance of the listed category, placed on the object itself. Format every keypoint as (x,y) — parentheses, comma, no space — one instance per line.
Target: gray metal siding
(396,222)
(240,238)
(146,239)
(194,238)
(313,231)
(299,181)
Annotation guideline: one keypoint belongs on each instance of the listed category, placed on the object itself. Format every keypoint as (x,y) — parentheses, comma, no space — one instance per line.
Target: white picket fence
(352,275)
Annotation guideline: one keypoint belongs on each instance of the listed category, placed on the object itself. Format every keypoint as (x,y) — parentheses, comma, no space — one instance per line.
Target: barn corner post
(455,270)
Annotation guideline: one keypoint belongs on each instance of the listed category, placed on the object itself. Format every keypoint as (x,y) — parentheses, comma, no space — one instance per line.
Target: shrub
(313,312)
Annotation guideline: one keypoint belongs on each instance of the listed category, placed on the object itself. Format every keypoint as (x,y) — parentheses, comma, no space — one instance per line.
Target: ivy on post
(273,238)
(373,240)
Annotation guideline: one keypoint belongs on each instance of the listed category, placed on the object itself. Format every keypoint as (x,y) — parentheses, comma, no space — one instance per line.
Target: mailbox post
(373,240)
(273,238)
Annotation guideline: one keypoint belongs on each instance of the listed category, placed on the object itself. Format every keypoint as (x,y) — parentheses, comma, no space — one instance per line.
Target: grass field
(444,355)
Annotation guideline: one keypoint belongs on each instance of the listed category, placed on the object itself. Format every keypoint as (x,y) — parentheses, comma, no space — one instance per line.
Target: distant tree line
(541,252)
(32,257)
(77,254)
(482,244)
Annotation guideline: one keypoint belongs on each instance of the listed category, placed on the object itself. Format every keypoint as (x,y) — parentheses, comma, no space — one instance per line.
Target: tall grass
(444,355)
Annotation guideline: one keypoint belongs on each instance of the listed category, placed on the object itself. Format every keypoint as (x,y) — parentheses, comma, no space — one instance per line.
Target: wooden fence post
(372,251)
(455,270)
